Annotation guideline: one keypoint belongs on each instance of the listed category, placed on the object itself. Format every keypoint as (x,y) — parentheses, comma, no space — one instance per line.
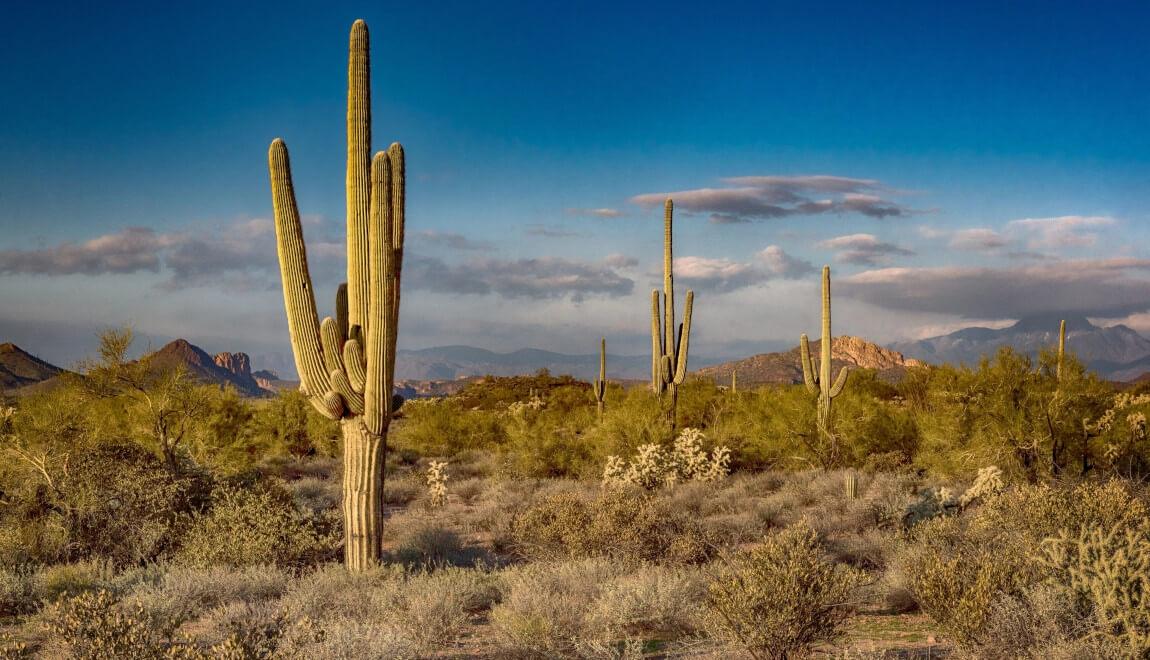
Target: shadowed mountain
(451,362)
(18,368)
(1113,352)
(786,366)
(224,368)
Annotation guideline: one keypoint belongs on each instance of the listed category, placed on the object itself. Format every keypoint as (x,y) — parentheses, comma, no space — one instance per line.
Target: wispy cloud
(545,277)
(596,213)
(551,231)
(749,198)
(977,239)
(723,275)
(131,250)
(864,249)
(1103,287)
(454,241)
(1059,232)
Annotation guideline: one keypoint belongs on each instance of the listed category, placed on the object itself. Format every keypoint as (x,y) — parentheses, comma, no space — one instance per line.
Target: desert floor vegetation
(968,513)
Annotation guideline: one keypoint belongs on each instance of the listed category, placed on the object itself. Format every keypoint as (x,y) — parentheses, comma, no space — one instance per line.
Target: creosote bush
(779,599)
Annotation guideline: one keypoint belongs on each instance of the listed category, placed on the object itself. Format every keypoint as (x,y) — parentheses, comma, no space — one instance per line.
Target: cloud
(1059,232)
(239,256)
(1103,287)
(454,241)
(596,213)
(724,275)
(131,250)
(620,261)
(768,197)
(544,277)
(779,263)
(864,249)
(978,239)
(547,231)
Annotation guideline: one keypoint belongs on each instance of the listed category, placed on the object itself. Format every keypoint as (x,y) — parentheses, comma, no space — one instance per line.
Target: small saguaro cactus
(734,382)
(818,380)
(347,364)
(851,485)
(668,349)
(600,386)
(1061,349)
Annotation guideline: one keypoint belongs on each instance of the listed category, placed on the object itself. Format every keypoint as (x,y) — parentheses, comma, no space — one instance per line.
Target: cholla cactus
(668,350)
(932,503)
(347,364)
(818,380)
(988,483)
(1110,570)
(437,483)
(654,466)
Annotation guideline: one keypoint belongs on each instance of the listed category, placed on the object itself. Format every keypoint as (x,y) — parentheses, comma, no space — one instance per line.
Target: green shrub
(93,625)
(258,524)
(782,597)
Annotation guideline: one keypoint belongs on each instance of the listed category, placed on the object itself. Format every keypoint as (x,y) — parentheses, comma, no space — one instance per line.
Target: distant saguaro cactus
(734,382)
(600,386)
(1061,349)
(851,485)
(819,379)
(347,364)
(668,350)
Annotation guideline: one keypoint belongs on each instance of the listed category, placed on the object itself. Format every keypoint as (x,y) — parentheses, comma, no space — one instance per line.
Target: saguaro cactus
(819,380)
(347,364)
(668,350)
(734,381)
(1061,349)
(600,386)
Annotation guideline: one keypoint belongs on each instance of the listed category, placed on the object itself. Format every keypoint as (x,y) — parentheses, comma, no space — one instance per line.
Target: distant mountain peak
(224,368)
(786,366)
(1050,321)
(19,368)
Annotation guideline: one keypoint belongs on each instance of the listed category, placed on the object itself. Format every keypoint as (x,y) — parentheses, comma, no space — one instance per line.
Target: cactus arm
(299,300)
(684,340)
(825,344)
(810,375)
(377,389)
(656,343)
(398,204)
(332,340)
(330,404)
(665,370)
(840,382)
(341,310)
(354,364)
(603,360)
(342,386)
(358,171)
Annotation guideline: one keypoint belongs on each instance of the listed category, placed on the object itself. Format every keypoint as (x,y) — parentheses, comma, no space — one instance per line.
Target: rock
(237,363)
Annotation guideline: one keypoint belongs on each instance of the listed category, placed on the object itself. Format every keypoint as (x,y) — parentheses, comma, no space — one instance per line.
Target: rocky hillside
(18,368)
(224,368)
(786,367)
(1116,352)
(447,363)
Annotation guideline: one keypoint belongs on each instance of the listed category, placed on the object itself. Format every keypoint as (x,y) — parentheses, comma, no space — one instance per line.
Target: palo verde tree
(347,364)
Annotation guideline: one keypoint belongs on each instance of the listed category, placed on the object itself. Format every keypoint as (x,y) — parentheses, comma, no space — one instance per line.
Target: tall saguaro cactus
(668,349)
(347,364)
(819,380)
(600,386)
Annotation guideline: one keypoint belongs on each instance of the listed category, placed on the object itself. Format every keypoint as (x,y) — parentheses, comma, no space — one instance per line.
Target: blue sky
(958,164)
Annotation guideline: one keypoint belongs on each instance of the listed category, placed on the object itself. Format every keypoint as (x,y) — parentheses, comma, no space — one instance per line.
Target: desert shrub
(67,580)
(547,445)
(654,602)
(114,502)
(423,542)
(17,591)
(622,524)
(445,428)
(261,525)
(92,625)
(1109,569)
(288,426)
(781,598)
(184,593)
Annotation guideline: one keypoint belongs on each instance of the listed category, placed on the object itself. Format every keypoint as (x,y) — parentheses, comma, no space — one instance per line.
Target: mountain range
(451,362)
(1115,352)
(19,368)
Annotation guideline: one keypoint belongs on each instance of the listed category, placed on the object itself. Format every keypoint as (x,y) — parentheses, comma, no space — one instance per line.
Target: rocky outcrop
(237,363)
(786,367)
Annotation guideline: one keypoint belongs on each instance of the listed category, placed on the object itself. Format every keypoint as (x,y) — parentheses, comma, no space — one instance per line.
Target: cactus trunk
(668,348)
(600,386)
(347,364)
(1061,349)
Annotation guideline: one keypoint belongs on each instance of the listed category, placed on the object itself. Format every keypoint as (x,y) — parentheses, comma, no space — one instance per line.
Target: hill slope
(18,368)
(224,368)
(451,362)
